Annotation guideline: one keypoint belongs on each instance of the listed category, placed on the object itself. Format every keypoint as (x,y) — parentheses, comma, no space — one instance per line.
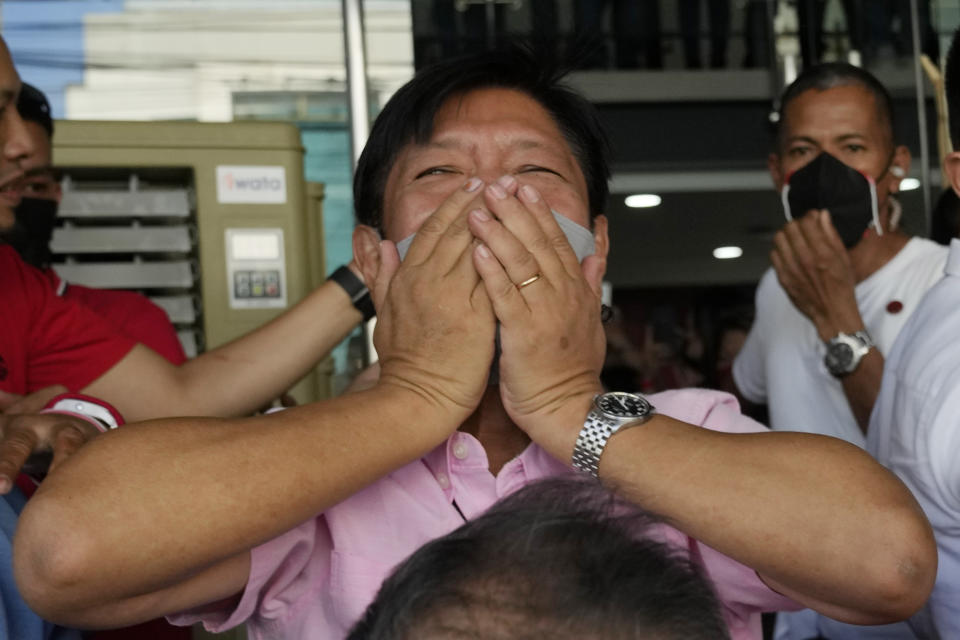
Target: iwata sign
(251,185)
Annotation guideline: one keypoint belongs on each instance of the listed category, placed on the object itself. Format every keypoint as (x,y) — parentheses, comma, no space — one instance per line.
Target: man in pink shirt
(299,516)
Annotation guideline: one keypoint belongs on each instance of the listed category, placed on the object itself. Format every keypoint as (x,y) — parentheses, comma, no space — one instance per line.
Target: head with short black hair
(408,118)
(34,107)
(560,559)
(829,75)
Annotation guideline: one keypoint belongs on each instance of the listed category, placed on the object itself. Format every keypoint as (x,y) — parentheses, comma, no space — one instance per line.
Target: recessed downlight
(727,253)
(642,200)
(909,184)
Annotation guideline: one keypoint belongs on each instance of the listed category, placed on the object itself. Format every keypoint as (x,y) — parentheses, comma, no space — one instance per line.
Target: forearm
(238,377)
(148,505)
(862,386)
(816,517)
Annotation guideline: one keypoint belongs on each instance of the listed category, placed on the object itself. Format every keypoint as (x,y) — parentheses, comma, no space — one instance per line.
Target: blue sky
(46,39)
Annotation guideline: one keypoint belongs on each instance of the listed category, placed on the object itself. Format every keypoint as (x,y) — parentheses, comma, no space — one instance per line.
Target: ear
(596,265)
(952,166)
(366,252)
(601,237)
(776,170)
(901,160)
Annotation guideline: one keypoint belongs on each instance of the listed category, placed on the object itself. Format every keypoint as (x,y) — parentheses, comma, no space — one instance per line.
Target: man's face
(845,122)
(15,143)
(485,133)
(39,180)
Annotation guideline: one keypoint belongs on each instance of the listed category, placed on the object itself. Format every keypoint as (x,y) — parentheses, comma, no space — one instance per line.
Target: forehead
(833,112)
(9,81)
(499,107)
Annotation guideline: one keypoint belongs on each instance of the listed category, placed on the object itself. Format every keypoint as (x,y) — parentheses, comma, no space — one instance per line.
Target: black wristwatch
(358,292)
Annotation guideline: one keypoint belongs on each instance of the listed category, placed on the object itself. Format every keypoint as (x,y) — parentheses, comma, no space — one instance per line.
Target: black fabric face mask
(32,229)
(827,183)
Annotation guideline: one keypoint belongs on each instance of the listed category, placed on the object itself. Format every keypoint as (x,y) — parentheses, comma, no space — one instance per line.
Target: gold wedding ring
(528,281)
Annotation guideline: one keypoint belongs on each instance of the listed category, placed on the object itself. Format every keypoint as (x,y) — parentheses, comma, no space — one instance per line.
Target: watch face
(839,357)
(623,405)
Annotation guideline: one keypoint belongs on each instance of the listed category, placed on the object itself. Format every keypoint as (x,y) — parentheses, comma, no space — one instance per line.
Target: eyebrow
(455,144)
(841,138)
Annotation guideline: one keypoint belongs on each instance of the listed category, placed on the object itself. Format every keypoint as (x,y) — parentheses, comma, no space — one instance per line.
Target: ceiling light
(642,200)
(726,253)
(909,184)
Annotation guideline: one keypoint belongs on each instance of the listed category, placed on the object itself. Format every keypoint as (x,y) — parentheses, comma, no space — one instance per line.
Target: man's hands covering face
(814,269)
(24,432)
(551,334)
(435,325)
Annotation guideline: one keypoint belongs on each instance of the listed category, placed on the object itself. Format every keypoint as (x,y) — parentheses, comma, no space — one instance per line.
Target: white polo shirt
(781,363)
(915,432)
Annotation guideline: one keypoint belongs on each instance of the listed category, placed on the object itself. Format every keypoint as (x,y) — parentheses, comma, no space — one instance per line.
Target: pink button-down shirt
(315,581)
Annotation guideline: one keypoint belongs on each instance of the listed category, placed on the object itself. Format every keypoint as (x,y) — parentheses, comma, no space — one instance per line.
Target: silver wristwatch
(611,412)
(845,351)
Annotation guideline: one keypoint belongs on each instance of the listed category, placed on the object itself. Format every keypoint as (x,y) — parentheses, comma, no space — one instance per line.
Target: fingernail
(497,191)
(480,215)
(529,193)
(483,251)
(4,485)
(473,184)
(506,181)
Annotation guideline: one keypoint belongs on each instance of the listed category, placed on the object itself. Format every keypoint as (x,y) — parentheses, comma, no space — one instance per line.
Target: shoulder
(708,408)
(925,256)
(110,301)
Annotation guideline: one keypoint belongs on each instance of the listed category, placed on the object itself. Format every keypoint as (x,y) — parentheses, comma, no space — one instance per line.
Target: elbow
(51,561)
(911,580)
(903,582)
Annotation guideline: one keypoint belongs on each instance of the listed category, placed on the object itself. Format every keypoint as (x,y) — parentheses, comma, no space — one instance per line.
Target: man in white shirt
(915,427)
(844,278)
(838,273)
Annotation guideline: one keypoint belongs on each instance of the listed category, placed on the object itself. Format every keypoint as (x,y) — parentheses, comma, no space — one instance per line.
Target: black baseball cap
(33,106)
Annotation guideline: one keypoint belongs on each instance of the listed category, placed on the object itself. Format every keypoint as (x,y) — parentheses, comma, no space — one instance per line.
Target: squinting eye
(798,151)
(535,169)
(434,171)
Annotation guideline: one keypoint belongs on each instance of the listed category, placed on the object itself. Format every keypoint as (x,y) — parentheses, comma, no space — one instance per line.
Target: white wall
(173,59)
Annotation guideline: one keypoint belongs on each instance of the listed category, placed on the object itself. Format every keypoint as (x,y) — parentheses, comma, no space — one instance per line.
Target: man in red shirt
(49,340)
(28,227)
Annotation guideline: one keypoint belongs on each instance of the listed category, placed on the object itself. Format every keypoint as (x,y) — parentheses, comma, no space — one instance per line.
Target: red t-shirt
(132,314)
(47,340)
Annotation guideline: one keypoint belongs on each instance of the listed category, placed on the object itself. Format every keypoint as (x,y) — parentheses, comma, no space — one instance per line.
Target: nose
(18,145)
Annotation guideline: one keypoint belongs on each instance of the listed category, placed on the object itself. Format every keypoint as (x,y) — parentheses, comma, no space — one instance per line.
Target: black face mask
(827,183)
(32,230)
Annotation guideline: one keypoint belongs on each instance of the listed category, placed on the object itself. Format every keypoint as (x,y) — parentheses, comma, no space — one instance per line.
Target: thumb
(388,264)
(8,400)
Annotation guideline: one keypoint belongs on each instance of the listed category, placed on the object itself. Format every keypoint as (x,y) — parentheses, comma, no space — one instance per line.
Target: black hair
(560,559)
(34,107)
(952,85)
(408,117)
(828,75)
